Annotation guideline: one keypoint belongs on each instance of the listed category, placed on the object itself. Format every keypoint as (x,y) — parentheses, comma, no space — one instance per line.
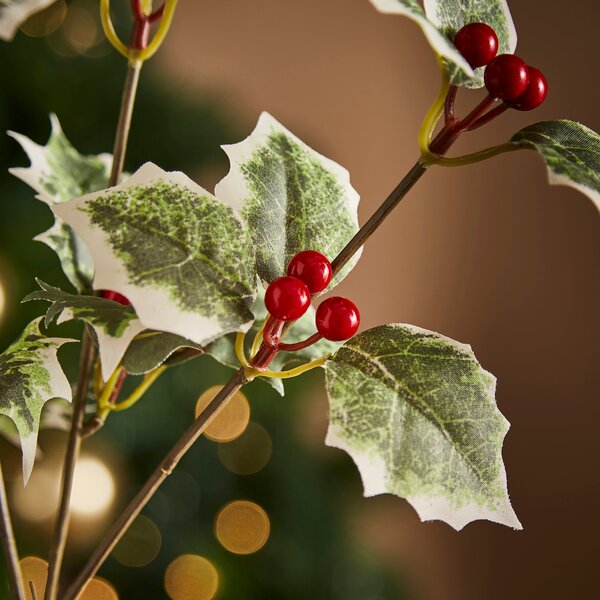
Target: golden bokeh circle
(242,527)
(34,570)
(45,21)
(191,577)
(140,545)
(232,419)
(249,453)
(99,589)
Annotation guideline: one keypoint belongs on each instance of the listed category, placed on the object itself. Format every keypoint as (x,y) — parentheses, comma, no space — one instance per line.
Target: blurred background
(490,255)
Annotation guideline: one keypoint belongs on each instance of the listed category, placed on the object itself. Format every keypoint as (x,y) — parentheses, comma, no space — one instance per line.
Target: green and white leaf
(152,349)
(114,325)
(450,15)
(13,13)
(438,40)
(56,414)
(416,412)
(223,349)
(571,152)
(291,197)
(30,375)
(58,173)
(183,258)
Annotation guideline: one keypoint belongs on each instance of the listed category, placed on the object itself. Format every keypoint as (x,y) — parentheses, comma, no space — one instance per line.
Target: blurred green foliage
(310,553)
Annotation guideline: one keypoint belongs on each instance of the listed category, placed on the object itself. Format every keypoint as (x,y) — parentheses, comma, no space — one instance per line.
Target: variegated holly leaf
(450,15)
(223,349)
(183,258)
(437,38)
(15,12)
(114,325)
(152,348)
(417,413)
(291,197)
(30,375)
(58,173)
(571,151)
(56,414)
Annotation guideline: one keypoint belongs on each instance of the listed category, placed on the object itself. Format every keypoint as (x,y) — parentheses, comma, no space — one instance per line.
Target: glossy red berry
(337,319)
(506,77)
(478,43)
(287,298)
(115,297)
(313,268)
(534,95)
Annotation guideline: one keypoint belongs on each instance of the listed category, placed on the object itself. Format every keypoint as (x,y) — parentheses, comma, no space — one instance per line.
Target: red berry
(534,95)
(313,268)
(506,77)
(478,43)
(337,319)
(287,298)
(115,297)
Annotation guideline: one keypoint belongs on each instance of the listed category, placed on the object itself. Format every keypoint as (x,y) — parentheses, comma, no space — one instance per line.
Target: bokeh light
(99,589)
(242,527)
(140,545)
(93,488)
(231,421)
(249,453)
(81,28)
(46,21)
(191,577)
(38,501)
(34,570)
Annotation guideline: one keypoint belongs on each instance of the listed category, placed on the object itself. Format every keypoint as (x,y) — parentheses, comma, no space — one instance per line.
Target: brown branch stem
(9,545)
(61,528)
(187,440)
(86,360)
(164,469)
(124,123)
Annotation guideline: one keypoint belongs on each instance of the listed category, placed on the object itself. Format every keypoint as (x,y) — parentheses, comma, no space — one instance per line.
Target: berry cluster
(288,297)
(507,77)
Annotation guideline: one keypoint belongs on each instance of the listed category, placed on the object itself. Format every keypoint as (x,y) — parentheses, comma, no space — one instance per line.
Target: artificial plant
(164,271)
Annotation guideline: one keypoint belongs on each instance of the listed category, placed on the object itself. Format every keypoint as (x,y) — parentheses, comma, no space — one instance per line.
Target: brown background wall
(490,255)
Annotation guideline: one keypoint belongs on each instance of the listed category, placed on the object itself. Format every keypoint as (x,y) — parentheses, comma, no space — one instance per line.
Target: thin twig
(87,356)
(369,228)
(32,590)
(9,546)
(61,528)
(124,124)
(165,468)
(187,440)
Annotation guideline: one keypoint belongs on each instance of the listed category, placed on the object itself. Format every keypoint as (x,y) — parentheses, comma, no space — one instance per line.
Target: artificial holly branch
(137,51)
(480,52)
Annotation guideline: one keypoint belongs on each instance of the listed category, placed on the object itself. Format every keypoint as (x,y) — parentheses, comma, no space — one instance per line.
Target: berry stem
(272,331)
(313,339)
(488,117)
(449,105)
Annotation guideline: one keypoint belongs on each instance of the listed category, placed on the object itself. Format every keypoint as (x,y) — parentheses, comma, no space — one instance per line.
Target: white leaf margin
(373,471)
(228,189)
(110,348)
(13,15)
(437,40)
(61,388)
(37,154)
(155,309)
